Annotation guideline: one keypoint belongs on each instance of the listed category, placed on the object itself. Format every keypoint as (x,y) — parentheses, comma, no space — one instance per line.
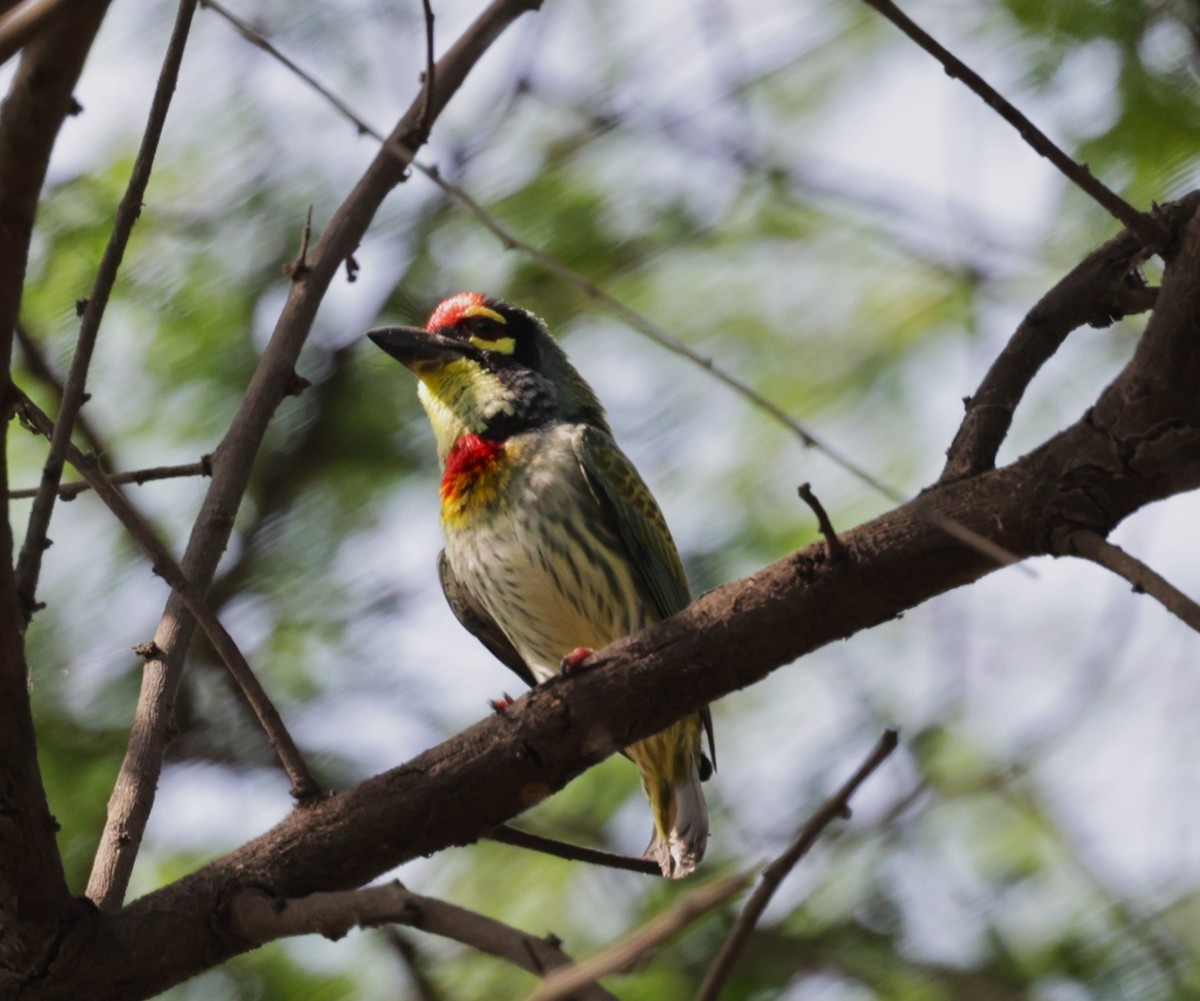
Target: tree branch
(35,902)
(1090,294)
(133,795)
(24,21)
(506,835)
(1100,551)
(1151,231)
(304,786)
(774,874)
(69,491)
(260,918)
(685,910)
(29,564)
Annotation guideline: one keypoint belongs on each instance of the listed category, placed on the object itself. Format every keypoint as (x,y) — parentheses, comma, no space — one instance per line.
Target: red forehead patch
(450,311)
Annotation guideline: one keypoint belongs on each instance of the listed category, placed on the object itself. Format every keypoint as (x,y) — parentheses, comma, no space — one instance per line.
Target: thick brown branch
(774,874)
(1149,229)
(259,918)
(1100,551)
(29,565)
(133,795)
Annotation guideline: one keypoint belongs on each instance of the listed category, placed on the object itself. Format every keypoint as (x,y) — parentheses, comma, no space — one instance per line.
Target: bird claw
(499,705)
(576,657)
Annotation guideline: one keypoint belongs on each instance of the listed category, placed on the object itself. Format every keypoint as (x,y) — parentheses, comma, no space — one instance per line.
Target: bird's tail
(670,764)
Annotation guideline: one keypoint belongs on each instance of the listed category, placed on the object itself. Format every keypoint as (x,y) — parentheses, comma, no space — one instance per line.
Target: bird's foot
(576,657)
(499,705)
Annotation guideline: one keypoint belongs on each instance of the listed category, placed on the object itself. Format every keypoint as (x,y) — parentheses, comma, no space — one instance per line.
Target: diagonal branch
(233,460)
(685,910)
(1100,551)
(1092,293)
(29,564)
(260,918)
(774,874)
(304,786)
(1151,230)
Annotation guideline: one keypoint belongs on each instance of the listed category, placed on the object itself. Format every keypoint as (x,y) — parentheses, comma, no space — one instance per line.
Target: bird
(554,544)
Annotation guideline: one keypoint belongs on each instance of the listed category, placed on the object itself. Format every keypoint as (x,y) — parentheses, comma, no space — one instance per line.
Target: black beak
(412,345)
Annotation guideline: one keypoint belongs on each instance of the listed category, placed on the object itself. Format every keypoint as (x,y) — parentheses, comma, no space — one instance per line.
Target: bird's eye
(485,329)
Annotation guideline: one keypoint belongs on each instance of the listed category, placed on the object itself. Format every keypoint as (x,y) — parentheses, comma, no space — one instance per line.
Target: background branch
(1112,557)
(506,835)
(1150,230)
(685,910)
(774,874)
(261,919)
(29,564)
(304,786)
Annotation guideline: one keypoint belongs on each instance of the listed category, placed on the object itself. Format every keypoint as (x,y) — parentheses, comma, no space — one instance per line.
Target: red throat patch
(470,460)
(450,311)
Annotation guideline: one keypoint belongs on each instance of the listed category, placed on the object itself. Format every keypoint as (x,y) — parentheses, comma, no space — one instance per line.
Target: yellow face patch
(460,397)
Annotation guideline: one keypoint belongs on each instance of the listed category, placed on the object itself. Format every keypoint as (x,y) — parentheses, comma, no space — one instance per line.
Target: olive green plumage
(553,541)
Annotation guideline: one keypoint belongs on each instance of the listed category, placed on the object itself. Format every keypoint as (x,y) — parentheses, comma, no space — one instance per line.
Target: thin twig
(1092,546)
(304,786)
(40,368)
(25,20)
(1152,233)
(430,73)
(507,835)
(29,563)
(774,874)
(684,911)
(69,491)
(834,550)
(261,918)
(233,460)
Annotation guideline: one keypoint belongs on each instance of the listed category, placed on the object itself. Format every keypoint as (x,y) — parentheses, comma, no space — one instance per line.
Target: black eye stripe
(485,329)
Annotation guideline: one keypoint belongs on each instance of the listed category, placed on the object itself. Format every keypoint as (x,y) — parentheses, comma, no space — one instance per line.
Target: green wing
(633,512)
(632,509)
(478,623)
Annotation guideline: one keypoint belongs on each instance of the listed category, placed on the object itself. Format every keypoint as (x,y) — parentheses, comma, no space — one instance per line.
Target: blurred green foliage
(699,162)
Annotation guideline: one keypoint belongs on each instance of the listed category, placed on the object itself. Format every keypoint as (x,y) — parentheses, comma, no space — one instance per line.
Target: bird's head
(491,369)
